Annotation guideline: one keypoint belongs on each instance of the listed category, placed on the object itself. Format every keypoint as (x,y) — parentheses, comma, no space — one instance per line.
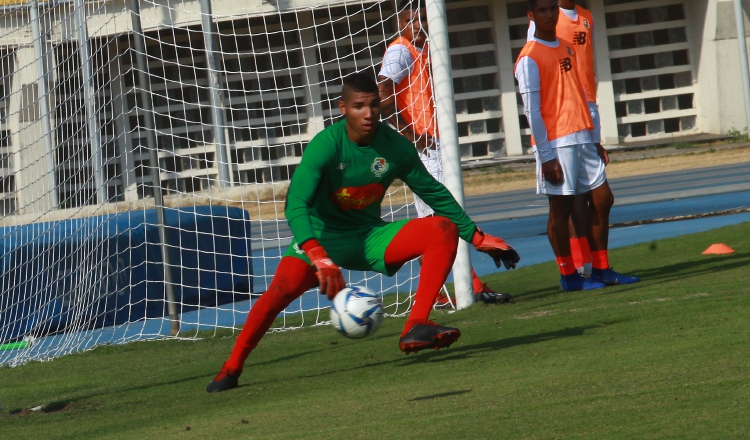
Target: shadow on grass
(466,351)
(440,395)
(695,268)
(652,276)
(332,345)
(459,353)
(81,402)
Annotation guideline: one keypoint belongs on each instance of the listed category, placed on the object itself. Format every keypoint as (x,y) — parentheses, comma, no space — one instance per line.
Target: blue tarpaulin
(107,270)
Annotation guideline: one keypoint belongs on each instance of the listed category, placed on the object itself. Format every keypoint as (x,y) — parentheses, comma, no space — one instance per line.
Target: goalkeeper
(333,210)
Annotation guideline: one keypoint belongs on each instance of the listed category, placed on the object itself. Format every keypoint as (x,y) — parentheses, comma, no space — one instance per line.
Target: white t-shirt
(397,62)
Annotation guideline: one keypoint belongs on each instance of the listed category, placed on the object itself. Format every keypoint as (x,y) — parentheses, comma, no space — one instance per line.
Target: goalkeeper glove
(497,248)
(329,274)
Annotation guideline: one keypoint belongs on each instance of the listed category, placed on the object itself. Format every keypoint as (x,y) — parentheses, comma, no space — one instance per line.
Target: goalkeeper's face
(362,113)
(413,25)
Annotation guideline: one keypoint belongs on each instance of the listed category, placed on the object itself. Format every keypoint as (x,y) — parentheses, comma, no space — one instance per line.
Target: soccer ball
(357,312)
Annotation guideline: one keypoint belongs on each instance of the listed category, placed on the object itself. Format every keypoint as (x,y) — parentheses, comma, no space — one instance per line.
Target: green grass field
(667,358)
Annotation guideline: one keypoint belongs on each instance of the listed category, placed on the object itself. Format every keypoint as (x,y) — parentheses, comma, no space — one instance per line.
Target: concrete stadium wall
(666,69)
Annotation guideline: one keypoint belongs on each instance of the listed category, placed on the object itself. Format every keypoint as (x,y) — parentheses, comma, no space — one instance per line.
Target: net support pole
(92,121)
(141,63)
(739,17)
(442,86)
(217,109)
(42,69)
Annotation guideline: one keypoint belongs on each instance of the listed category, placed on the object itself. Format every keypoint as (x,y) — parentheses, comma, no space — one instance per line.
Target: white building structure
(666,68)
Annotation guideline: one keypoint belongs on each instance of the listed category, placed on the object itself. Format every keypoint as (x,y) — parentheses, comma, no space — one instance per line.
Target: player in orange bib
(405,85)
(576,25)
(568,162)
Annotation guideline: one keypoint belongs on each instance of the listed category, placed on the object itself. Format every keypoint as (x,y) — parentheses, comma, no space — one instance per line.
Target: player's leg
(579,243)
(482,293)
(558,230)
(293,277)
(432,162)
(435,239)
(561,203)
(600,201)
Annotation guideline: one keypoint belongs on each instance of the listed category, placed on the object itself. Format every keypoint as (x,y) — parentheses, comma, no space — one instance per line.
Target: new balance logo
(565,65)
(580,38)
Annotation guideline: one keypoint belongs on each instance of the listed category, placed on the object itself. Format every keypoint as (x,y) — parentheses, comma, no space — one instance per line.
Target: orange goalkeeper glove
(329,275)
(497,248)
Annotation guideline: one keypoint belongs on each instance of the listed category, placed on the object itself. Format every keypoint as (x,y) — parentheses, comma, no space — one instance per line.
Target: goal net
(146,149)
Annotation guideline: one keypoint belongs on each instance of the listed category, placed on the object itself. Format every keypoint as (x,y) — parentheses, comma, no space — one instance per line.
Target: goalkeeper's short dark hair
(410,5)
(360,82)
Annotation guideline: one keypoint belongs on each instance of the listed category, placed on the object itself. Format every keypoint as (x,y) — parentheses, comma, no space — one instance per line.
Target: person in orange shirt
(405,86)
(576,25)
(568,162)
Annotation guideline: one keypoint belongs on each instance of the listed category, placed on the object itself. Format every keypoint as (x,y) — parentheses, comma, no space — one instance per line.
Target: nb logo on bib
(566,65)
(580,38)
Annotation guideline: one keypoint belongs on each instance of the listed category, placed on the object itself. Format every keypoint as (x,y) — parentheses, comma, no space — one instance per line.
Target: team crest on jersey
(586,24)
(570,51)
(297,249)
(379,166)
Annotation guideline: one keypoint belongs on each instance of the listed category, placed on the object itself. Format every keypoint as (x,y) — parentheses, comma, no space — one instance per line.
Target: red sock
(580,250)
(475,281)
(585,249)
(576,253)
(600,259)
(566,266)
(436,240)
(293,277)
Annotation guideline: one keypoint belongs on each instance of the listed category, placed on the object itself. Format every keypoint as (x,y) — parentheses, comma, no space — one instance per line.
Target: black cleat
(489,296)
(428,335)
(223,381)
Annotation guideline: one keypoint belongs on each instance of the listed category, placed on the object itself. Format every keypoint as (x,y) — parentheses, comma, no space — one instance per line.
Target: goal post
(451,155)
(146,149)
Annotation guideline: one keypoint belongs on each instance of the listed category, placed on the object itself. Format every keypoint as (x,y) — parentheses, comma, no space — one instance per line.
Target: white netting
(81,255)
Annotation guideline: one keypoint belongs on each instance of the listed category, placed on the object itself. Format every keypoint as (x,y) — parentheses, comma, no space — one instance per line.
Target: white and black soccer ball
(357,312)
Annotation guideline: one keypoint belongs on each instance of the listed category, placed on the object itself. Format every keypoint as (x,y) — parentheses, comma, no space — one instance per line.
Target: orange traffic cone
(718,249)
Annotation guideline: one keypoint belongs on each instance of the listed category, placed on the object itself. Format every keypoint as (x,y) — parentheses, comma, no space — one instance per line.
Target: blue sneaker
(612,278)
(576,281)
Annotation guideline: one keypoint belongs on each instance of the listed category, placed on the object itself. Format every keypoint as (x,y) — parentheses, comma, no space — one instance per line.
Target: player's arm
(395,68)
(304,186)
(531,31)
(300,198)
(437,196)
(529,82)
(387,91)
(596,132)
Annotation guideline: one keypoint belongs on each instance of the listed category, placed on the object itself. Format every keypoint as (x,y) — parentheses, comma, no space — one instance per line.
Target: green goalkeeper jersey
(338,186)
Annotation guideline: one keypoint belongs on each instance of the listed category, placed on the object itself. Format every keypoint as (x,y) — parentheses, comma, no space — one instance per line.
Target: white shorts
(583,171)
(434,164)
